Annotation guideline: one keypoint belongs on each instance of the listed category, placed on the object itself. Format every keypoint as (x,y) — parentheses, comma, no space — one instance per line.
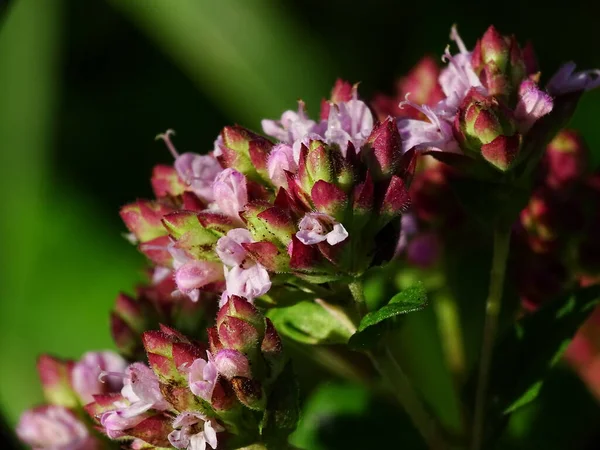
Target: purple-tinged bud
(166,182)
(395,201)
(56,428)
(125,338)
(364,197)
(382,150)
(214,343)
(530,59)
(240,308)
(315,164)
(153,430)
(55,376)
(223,397)
(566,159)
(319,227)
(250,393)
(494,48)
(143,219)
(540,219)
(533,103)
(329,199)
(281,160)
(271,344)
(238,334)
(271,223)
(303,257)
(484,126)
(179,223)
(184,355)
(158,343)
(268,255)
(85,376)
(231,363)
(157,251)
(130,311)
(231,193)
(245,152)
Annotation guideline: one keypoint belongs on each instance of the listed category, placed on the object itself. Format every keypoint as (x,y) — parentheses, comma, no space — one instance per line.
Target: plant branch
(492,311)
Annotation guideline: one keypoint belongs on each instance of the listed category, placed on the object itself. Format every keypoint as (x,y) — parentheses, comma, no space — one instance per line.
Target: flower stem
(391,371)
(492,311)
(450,330)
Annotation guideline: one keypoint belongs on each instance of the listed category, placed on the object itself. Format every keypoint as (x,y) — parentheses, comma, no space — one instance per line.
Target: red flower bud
(566,159)
(55,375)
(383,150)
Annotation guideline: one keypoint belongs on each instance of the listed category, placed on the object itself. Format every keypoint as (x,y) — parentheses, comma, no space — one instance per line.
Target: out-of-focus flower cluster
(189,395)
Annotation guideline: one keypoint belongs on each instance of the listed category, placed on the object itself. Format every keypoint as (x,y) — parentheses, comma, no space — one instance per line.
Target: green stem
(448,317)
(492,311)
(402,388)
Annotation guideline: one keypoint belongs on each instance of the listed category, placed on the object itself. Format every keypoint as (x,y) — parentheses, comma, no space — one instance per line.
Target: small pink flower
(54,428)
(421,135)
(291,127)
(533,104)
(202,376)
(186,435)
(566,80)
(349,121)
(194,275)
(141,393)
(86,372)
(244,277)
(199,172)
(231,363)
(281,160)
(456,79)
(319,227)
(230,193)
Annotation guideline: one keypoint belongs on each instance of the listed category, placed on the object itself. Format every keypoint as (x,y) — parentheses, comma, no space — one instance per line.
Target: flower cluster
(189,396)
(311,204)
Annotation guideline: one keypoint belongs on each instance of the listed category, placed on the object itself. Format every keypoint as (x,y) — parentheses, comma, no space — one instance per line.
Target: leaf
(309,323)
(283,410)
(529,349)
(347,416)
(371,326)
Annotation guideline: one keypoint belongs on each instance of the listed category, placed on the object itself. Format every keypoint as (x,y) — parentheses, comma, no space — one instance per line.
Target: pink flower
(457,79)
(202,376)
(565,80)
(421,135)
(281,160)
(231,363)
(86,372)
(245,277)
(54,428)
(187,436)
(230,193)
(199,172)
(319,227)
(194,275)
(533,104)
(349,121)
(141,393)
(291,127)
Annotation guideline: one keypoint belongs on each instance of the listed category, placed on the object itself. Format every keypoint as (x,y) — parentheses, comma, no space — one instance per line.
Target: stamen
(103,374)
(456,38)
(166,137)
(301,109)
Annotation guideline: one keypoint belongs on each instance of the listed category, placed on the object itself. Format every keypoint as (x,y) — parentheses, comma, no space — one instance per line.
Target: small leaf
(529,349)
(372,327)
(309,323)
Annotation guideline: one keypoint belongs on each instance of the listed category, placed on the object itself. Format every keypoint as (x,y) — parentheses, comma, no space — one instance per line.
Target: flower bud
(483,126)
(230,192)
(239,308)
(281,160)
(166,182)
(143,219)
(249,392)
(245,152)
(383,150)
(238,334)
(198,172)
(566,159)
(55,376)
(195,275)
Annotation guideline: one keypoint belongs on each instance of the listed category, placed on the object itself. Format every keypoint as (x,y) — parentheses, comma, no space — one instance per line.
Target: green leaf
(374,324)
(529,349)
(283,410)
(347,416)
(309,323)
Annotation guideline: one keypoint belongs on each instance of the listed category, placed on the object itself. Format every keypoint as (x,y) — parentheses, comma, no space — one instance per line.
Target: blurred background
(86,85)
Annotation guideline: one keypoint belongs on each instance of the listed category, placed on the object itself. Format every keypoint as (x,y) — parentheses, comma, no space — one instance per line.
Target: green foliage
(309,323)
(375,323)
(529,349)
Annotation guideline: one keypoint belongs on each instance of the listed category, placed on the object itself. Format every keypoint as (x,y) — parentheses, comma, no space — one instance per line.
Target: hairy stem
(492,311)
